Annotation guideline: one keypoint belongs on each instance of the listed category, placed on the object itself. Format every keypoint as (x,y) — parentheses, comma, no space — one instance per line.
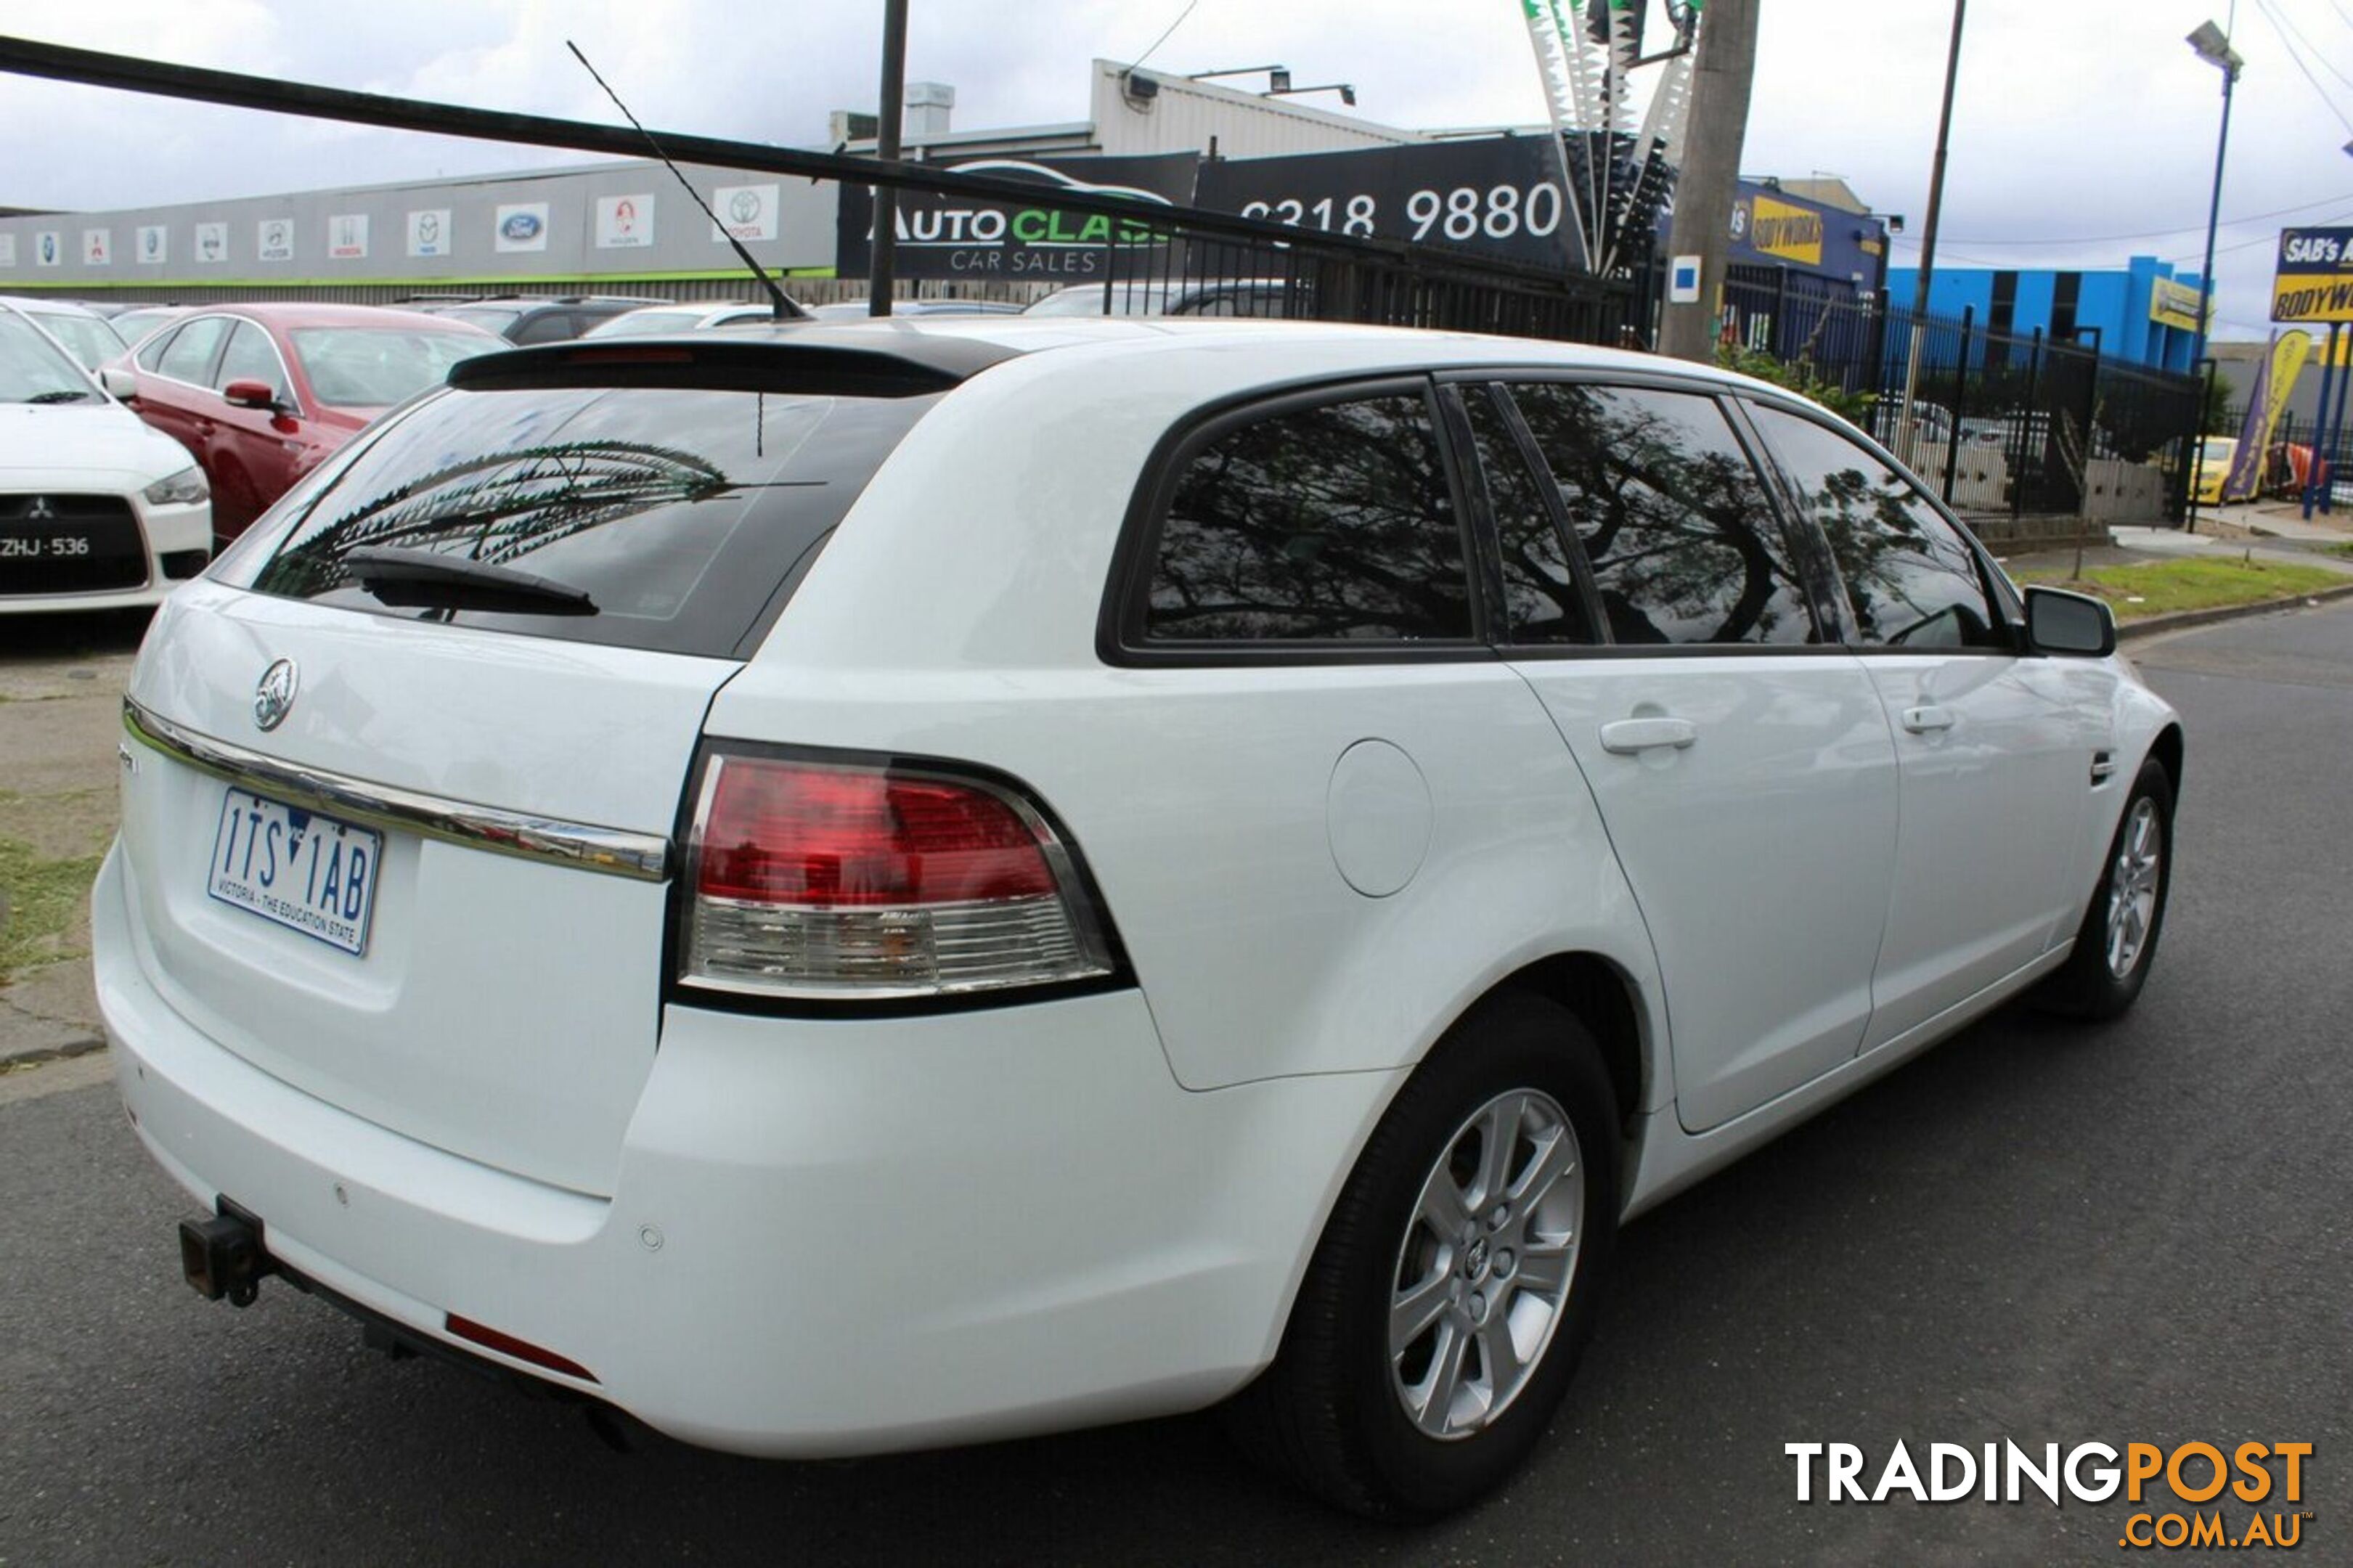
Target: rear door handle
(1928,719)
(1628,736)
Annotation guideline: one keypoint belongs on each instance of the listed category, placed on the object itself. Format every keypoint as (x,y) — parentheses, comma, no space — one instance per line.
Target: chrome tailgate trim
(609,851)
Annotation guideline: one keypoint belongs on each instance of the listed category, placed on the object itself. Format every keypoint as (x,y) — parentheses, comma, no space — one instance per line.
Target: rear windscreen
(685,514)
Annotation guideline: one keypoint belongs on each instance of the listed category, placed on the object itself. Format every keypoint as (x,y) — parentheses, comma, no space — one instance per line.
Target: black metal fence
(2000,423)
(1183,269)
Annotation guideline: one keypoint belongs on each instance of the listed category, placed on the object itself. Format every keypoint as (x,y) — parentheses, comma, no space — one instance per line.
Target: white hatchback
(97,510)
(848,888)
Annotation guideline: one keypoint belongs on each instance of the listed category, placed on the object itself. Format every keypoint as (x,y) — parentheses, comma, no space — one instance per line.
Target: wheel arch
(2167,750)
(1603,998)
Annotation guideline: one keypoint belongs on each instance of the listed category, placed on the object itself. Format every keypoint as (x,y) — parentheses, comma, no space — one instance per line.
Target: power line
(2282,19)
(2296,60)
(2149,233)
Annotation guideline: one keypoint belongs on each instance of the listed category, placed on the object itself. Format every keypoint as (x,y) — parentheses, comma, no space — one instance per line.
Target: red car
(261,392)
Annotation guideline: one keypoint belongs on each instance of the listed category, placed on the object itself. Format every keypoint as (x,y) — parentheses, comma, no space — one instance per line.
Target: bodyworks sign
(2314,280)
(944,237)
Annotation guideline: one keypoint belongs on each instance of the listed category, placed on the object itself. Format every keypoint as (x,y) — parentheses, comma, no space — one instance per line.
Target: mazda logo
(273,695)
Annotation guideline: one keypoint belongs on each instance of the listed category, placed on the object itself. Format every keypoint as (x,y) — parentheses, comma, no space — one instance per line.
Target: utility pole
(885,257)
(1907,415)
(1705,189)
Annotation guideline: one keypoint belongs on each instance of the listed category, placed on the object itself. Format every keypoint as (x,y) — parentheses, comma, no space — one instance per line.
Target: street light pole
(1907,415)
(2214,47)
(882,263)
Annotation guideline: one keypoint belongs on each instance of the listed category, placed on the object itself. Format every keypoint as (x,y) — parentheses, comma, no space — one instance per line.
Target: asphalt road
(2139,1233)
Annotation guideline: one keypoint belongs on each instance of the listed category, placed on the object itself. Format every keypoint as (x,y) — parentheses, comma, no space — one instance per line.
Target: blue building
(2146,313)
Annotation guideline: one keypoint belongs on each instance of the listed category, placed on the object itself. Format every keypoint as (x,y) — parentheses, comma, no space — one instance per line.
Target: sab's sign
(2314,280)
(943,235)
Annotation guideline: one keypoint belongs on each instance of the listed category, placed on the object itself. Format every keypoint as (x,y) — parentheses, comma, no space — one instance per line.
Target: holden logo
(744,206)
(520,226)
(40,510)
(274,696)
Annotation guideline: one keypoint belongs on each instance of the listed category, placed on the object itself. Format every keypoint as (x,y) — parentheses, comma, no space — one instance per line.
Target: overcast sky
(2083,131)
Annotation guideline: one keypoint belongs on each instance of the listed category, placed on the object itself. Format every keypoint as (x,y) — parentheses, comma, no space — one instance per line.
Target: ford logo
(273,695)
(520,226)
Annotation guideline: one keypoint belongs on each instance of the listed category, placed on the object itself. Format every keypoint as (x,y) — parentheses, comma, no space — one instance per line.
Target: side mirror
(2072,624)
(246,392)
(121,384)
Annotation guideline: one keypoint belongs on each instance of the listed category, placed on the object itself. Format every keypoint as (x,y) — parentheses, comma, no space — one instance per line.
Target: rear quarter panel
(953,615)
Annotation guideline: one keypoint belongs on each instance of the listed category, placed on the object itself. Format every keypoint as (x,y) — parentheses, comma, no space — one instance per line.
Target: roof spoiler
(837,362)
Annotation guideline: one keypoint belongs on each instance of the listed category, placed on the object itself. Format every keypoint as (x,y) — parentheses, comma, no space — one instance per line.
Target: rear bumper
(826,1237)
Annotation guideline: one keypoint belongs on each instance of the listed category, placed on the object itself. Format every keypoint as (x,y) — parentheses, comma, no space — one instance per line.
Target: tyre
(1455,1285)
(2117,940)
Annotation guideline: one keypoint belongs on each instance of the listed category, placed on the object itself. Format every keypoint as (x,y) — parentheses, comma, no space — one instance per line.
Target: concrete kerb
(2182,620)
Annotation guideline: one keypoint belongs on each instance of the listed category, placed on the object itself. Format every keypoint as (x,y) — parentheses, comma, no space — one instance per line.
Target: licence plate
(305,870)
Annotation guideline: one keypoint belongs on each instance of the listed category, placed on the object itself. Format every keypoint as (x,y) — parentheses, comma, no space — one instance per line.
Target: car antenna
(784,310)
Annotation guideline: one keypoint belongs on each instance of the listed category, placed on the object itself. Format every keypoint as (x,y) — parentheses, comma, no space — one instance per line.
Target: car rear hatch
(402,782)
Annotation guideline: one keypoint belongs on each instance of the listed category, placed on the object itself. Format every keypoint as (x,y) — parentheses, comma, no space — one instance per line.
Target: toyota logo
(273,695)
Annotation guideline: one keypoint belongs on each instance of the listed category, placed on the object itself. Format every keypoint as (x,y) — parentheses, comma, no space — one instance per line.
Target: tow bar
(225,1256)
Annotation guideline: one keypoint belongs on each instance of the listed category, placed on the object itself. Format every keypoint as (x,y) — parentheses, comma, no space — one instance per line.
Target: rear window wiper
(428,578)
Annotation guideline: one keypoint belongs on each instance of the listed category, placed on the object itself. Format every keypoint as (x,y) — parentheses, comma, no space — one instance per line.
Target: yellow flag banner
(2248,465)
(2289,356)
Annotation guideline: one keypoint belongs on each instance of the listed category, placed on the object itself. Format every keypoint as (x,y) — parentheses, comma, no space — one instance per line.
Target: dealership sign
(625,222)
(2314,280)
(1499,195)
(1771,227)
(941,235)
(2172,304)
(749,211)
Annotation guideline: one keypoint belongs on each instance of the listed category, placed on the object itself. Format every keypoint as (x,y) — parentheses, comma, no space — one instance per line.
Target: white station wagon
(849,888)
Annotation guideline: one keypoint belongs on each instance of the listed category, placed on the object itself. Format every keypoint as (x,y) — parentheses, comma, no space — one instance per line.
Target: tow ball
(225,1256)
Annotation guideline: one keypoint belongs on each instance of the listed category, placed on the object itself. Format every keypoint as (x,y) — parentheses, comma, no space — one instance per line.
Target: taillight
(834,880)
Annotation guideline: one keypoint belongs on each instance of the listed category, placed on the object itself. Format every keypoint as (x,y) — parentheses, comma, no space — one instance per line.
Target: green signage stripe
(420,285)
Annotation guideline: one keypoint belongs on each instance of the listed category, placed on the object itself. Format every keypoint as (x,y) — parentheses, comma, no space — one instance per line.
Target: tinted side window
(1684,547)
(152,356)
(1321,524)
(249,357)
(551,326)
(190,357)
(1541,602)
(1911,581)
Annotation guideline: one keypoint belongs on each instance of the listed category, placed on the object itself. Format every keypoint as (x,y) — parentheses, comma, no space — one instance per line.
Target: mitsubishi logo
(273,695)
(40,510)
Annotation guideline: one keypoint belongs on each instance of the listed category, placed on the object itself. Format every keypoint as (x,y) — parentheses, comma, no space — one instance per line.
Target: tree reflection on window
(1683,545)
(1911,581)
(1540,595)
(498,508)
(1326,523)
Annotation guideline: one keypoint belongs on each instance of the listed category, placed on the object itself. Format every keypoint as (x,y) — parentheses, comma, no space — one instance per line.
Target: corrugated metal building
(613,227)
